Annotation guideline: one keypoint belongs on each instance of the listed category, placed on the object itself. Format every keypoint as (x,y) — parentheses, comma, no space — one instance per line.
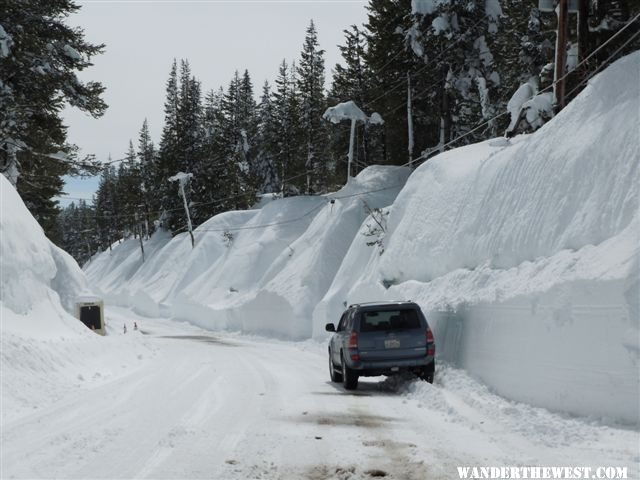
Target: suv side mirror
(330,327)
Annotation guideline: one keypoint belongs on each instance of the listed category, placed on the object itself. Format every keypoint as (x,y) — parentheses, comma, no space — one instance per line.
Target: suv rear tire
(335,375)
(349,376)
(427,372)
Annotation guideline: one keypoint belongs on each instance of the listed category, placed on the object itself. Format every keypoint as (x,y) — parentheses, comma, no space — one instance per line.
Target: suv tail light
(353,344)
(431,346)
(353,340)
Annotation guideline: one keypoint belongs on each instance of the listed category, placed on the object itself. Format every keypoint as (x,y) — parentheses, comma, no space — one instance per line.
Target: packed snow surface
(181,402)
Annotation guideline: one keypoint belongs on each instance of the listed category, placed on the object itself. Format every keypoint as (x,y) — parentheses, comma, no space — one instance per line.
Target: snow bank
(526,257)
(33,270)
(44,351)
(260,271)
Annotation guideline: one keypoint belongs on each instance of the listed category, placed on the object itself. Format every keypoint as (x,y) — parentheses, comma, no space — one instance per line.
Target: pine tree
(285,114)
(389,59)
(209,181)
(310,86)
(130,194)
(148,166)
(265,163)
(189,120)
(79,237)
(455,39)
(39,61)
(108,214)
(166,198)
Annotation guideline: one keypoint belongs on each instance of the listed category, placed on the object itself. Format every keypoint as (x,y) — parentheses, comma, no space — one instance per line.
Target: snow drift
(260,271)
(525,257)
(44,350)
(34,272)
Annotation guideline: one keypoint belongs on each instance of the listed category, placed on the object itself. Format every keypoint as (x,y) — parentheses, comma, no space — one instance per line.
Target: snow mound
(33,270)
(259,271)
(44,351)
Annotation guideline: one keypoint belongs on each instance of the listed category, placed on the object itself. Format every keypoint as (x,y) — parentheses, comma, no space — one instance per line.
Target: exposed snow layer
(523,254)
(44,351)
(32,269)
(275,262)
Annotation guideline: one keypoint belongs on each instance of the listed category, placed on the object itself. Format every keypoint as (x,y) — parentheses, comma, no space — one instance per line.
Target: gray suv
(381,339)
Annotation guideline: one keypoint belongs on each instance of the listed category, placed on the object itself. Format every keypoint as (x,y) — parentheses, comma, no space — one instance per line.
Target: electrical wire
(604,63)
(421,157)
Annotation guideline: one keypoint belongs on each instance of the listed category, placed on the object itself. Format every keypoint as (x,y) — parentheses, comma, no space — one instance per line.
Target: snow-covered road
(204,405)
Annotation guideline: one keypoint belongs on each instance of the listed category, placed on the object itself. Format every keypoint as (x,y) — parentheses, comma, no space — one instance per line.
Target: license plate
(392,343)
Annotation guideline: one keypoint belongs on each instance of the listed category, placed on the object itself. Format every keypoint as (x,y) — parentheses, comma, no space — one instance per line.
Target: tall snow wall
(42,346)
(526,257)
(259,271)
(34,273)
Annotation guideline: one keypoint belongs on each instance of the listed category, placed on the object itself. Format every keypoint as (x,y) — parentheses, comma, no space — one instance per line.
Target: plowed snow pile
(525,257)
(44,350)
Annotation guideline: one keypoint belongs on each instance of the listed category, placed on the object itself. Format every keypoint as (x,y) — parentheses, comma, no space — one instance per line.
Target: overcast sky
(217,37)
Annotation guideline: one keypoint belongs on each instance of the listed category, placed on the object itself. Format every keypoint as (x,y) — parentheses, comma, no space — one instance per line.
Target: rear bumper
(390,367)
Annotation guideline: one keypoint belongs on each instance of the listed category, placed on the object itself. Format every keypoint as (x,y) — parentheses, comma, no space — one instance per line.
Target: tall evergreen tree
(456,40)
(79,233)
(189,120)
(265,164)
(310,86)
(108,213)
(39,61)
(166,196)
(148,162)
(389,59)
(286,120)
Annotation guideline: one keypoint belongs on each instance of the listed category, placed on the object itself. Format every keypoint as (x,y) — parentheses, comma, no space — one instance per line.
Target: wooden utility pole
(182,179)
(352,141)
(583,29)
(409,120)
(561,56)
(139,228)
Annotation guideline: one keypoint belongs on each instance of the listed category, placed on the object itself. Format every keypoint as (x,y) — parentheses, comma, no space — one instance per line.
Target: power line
(604,63)
(297,219)
(255,227)
(421,157)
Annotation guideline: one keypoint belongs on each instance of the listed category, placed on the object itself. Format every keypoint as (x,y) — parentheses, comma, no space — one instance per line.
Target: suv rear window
(386,320)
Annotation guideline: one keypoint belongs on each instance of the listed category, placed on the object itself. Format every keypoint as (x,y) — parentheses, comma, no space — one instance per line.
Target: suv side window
(343,321)
(351,320)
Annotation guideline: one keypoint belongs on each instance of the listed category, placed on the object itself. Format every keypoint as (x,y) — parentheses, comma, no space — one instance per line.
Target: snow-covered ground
(525,258)
(188,403)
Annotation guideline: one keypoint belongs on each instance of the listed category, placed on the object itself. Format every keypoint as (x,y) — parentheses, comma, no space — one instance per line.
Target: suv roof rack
(380,302)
